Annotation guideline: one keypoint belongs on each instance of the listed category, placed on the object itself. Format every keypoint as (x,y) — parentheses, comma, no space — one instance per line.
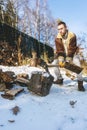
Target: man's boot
(58,81)
(80,86)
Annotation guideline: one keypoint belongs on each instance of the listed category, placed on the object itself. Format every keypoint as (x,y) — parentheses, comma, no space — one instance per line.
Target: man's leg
(76,60)
(55,72)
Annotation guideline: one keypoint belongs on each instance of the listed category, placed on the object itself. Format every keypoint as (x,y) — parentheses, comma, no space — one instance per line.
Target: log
(2,87)
(40,84)
(7,78)
(14,92)
(22,81)
(10,94)
(8,54)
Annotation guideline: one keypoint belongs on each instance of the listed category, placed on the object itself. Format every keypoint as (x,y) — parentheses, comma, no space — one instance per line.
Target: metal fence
(28,43)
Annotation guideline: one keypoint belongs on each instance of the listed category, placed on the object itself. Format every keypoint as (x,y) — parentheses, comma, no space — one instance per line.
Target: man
(66,48)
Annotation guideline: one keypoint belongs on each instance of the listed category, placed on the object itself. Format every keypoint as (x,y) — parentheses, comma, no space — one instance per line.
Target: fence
(28,43)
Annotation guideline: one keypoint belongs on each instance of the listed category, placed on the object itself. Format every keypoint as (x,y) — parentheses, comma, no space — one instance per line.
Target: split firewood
(23,75)
(8,54)
(22,81)
(6,79)
(72,103)
(10,94)
(2,87)
(15,110)
(11,121)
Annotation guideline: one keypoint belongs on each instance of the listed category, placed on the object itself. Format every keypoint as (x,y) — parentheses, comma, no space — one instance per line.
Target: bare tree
(32,17)
(8,12)
(81,38)
(2,10)
(43,22)
(35,20)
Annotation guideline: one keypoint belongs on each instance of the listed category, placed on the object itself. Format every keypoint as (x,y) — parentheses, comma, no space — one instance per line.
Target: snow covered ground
(52,112)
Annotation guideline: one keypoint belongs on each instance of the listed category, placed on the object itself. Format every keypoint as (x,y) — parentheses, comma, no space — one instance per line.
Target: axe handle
(52,65)
(72,67)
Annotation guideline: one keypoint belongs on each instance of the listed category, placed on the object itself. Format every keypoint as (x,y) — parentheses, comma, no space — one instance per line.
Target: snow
(51,112)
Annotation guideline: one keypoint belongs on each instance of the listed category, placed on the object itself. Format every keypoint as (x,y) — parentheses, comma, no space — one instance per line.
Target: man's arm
(72,46)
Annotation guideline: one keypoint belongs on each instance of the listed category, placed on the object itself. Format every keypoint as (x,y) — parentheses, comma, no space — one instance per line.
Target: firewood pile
(7,81)
(8,54)
(38,83)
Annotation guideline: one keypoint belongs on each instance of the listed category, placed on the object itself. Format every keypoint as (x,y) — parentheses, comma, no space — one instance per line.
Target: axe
(70,66)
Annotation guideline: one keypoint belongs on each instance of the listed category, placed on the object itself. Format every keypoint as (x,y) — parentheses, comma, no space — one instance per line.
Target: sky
(52,112)
(73,12)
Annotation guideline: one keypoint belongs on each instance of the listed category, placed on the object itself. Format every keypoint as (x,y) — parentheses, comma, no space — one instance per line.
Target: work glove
(69,59)
(61,61)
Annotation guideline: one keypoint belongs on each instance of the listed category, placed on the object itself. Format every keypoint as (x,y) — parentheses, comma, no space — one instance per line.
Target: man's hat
(59,21)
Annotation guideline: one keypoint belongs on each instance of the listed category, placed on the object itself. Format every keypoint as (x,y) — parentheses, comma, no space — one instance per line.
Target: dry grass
(84,66)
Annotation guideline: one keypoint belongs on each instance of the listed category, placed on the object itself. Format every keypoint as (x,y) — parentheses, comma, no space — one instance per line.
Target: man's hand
(69,59)
(61,64)
(61,61)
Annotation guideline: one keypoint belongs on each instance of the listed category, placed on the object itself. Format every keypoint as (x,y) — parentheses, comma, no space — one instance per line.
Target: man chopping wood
(66,51)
